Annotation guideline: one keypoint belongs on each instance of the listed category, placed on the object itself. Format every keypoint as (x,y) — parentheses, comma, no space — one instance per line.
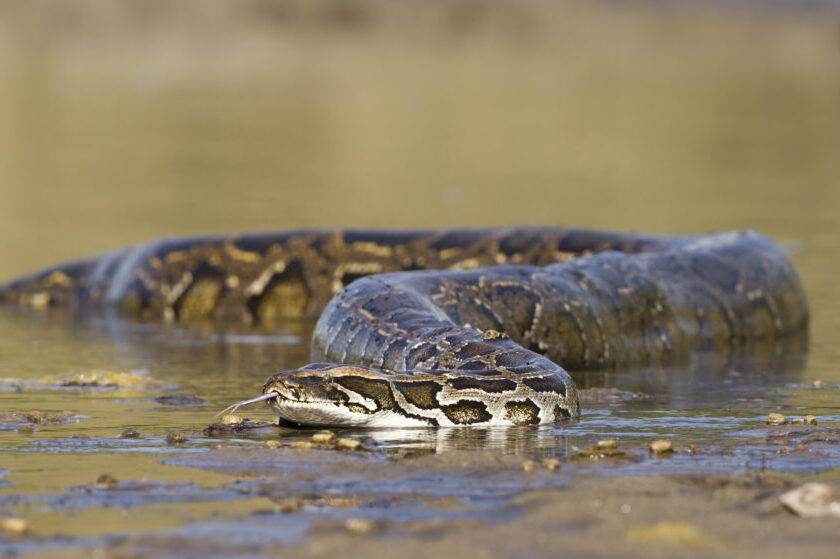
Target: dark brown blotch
(422,394)
(561,412)
(467,412)
(548,383)
(377,390)
(491,385)
(522,412)
(358,408)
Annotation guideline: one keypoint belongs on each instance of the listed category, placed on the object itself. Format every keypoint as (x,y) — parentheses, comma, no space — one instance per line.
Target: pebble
(273,444)
(106,481)
(217,446)
(810,420)
(776,419)
(348,444)
(26,429)
(812,500)
(661,446)
(606,444)
(231,419)
(528,466)
(817,384)
(14,525)
(323,437)
(289,505)
(359,525)
(302,444)
(175,437)
(550,464)
(130,434)
(34,417)
(79,436)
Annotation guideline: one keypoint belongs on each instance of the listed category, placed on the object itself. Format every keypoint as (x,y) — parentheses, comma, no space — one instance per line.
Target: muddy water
(122,126)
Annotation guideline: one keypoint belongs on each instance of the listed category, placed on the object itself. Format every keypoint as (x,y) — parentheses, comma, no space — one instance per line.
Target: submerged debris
(602,449)
(105,379)
(175,437)
(130,434)
(601,395)
(35,417)
(106,481)
(180,400)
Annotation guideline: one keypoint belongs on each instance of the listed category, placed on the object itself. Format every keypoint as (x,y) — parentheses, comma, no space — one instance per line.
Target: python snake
(457,327)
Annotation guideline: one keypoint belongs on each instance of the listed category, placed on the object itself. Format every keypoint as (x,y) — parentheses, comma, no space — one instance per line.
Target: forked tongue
(232,408)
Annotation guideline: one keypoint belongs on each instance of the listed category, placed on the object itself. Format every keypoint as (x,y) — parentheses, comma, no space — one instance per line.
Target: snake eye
(295,393)
(327,378)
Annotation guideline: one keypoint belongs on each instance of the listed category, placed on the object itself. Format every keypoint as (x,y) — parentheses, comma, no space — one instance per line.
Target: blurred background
(125,121)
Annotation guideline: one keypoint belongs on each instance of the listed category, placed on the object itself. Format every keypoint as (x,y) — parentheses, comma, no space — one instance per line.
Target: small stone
(550,464)
(661,446)
(692,448)
(528,466)
(79,436)
(287,506)
(130,434)
(273,444)
(302,444)
(26,429)
(798,421)
(607,444)
(810,420)
(231,419)
(106,481)
(348,444)
(776,419)
(323,437)
(359,525)
(217,446)
(818,384)
(812,500)
(34,417)
(175,437)
(14,525)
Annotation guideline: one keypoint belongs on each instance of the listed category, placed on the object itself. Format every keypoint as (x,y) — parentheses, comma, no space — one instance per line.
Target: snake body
(482,329)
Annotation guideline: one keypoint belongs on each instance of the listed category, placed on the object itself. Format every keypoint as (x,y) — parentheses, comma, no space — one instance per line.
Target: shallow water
(668,123)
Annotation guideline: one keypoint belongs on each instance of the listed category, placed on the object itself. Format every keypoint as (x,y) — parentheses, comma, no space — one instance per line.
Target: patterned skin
(459,343)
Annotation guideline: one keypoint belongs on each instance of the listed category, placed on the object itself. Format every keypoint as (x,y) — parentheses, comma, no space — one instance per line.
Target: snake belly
(481,331)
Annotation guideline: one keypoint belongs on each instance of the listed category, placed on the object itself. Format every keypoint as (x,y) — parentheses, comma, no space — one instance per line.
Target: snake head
(327,394)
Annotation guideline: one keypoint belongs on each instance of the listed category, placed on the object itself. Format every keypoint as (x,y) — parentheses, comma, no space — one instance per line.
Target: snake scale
(454,327)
